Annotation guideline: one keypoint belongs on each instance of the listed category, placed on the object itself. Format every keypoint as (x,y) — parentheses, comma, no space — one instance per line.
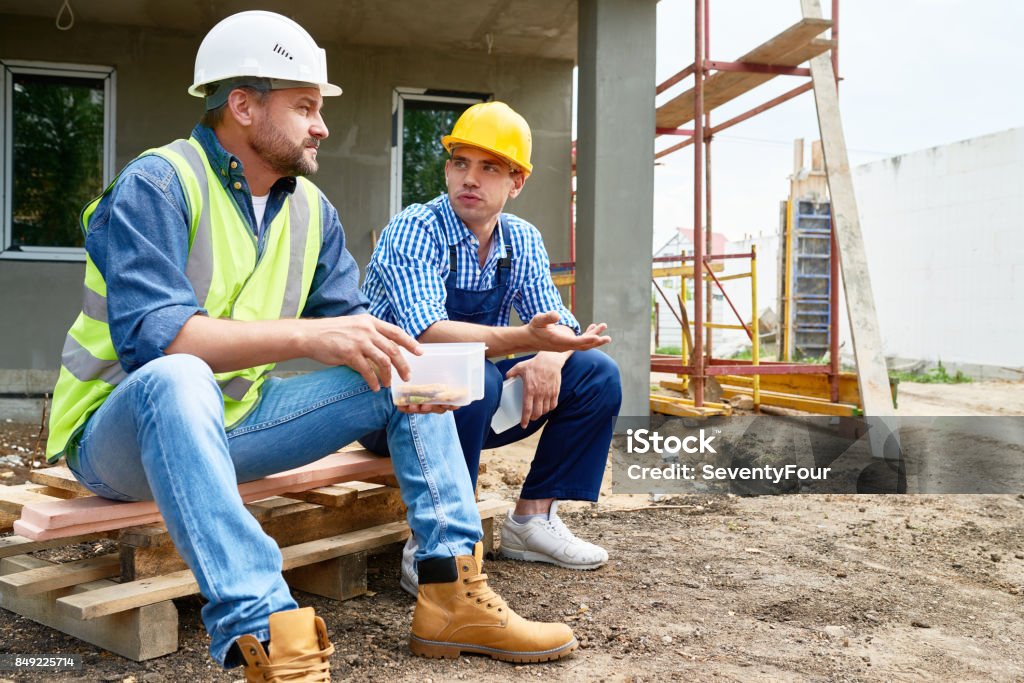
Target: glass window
(421,118)
(57,153)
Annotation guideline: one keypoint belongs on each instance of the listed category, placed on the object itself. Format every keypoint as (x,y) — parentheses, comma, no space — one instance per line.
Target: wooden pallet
(122,601)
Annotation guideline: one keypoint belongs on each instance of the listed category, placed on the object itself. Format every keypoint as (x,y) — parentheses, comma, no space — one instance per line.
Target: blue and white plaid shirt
(406,274)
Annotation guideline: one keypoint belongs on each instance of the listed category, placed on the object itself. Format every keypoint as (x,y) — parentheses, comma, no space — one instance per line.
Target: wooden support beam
(808,405)
(288,525)
(19,545)
(807,386)
(488,539)
(138,634)
(133,594)
(54,492)
(59,477)
(335,495)
(52,576)
(860,303)
(682,407)
(14,498)
(276,506)
(340,578)
(145,536)
(145,563)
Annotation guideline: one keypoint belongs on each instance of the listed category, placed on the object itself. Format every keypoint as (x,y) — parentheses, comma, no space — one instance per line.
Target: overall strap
(453,257)
(505,263)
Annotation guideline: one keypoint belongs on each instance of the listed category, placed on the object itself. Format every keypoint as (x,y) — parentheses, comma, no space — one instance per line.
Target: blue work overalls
(571,456)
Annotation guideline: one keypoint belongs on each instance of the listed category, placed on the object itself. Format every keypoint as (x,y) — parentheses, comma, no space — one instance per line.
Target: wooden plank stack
(327,517)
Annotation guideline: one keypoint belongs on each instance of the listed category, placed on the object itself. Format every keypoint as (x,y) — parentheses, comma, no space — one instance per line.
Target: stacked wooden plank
(807,393)
(326,517)
(43,520)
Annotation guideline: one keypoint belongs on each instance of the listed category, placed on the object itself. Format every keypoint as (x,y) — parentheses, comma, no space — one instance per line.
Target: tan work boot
(298,650)
(456,612)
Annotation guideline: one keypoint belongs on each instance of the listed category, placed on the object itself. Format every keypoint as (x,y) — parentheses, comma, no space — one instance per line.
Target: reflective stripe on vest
(85,367)
(235,387)
(230,278)
(199,268)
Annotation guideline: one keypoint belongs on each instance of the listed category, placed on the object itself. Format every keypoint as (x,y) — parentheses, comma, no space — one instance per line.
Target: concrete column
(615,183)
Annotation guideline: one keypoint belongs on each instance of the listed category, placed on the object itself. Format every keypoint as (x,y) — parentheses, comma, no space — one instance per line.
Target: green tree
(58,157)
(423,156)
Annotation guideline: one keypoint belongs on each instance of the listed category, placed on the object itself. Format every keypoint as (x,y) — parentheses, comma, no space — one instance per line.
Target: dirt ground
(699,588)
(973,398)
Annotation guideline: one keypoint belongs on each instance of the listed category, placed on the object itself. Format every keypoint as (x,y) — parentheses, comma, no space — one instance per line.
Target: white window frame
(10,68)
(398,100)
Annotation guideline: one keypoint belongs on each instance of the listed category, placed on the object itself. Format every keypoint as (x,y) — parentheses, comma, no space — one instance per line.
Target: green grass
(937,375)
(669,350)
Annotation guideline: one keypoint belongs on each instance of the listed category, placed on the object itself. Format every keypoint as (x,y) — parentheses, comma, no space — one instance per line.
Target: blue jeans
(160,436)
(573,450)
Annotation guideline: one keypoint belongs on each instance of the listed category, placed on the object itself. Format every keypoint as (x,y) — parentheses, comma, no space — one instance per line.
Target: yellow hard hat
(496,128)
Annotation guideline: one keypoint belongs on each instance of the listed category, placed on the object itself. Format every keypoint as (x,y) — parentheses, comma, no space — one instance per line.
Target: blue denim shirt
(138,239)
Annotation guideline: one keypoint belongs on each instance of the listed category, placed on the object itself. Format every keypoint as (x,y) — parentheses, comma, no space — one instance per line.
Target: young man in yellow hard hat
(451,270)
(209,260)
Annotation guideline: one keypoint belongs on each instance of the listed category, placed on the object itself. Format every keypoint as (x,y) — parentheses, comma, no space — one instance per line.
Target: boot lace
(484,594)
(312,667)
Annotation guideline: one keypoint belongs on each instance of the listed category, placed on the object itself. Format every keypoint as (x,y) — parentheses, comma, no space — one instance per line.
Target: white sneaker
(410,581)
(548,540)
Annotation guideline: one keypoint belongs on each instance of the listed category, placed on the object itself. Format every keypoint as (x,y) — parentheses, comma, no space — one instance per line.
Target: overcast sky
(917,74)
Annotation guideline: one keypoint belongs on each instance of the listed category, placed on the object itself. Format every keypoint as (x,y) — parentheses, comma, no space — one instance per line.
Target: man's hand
(367,345)
(542,380)
(546,334)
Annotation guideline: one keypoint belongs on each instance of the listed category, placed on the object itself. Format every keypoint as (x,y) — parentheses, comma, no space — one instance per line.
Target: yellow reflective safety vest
(230,278)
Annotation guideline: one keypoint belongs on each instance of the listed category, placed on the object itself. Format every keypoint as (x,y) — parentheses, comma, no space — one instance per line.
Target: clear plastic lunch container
(446,374)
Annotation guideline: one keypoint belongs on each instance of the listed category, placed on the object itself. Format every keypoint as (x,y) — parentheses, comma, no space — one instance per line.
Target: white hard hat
(262,45)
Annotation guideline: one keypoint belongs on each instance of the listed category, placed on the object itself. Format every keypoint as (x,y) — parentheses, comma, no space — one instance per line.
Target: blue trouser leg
(573,449)
(474,421)
(160,436)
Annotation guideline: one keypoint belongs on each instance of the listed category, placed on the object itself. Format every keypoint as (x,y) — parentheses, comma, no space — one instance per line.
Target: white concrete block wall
(944,234)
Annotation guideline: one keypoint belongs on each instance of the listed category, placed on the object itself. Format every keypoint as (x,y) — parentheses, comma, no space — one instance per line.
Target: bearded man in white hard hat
(452,270)
(209,260)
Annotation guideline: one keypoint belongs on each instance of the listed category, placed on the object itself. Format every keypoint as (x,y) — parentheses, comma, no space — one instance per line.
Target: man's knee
(600,373)
(179,374)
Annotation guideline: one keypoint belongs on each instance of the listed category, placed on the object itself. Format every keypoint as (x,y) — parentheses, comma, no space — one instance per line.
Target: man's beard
(282,156)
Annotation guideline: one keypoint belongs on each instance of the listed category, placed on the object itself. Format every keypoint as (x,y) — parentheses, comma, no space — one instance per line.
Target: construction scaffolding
(812,387)
(714,84)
